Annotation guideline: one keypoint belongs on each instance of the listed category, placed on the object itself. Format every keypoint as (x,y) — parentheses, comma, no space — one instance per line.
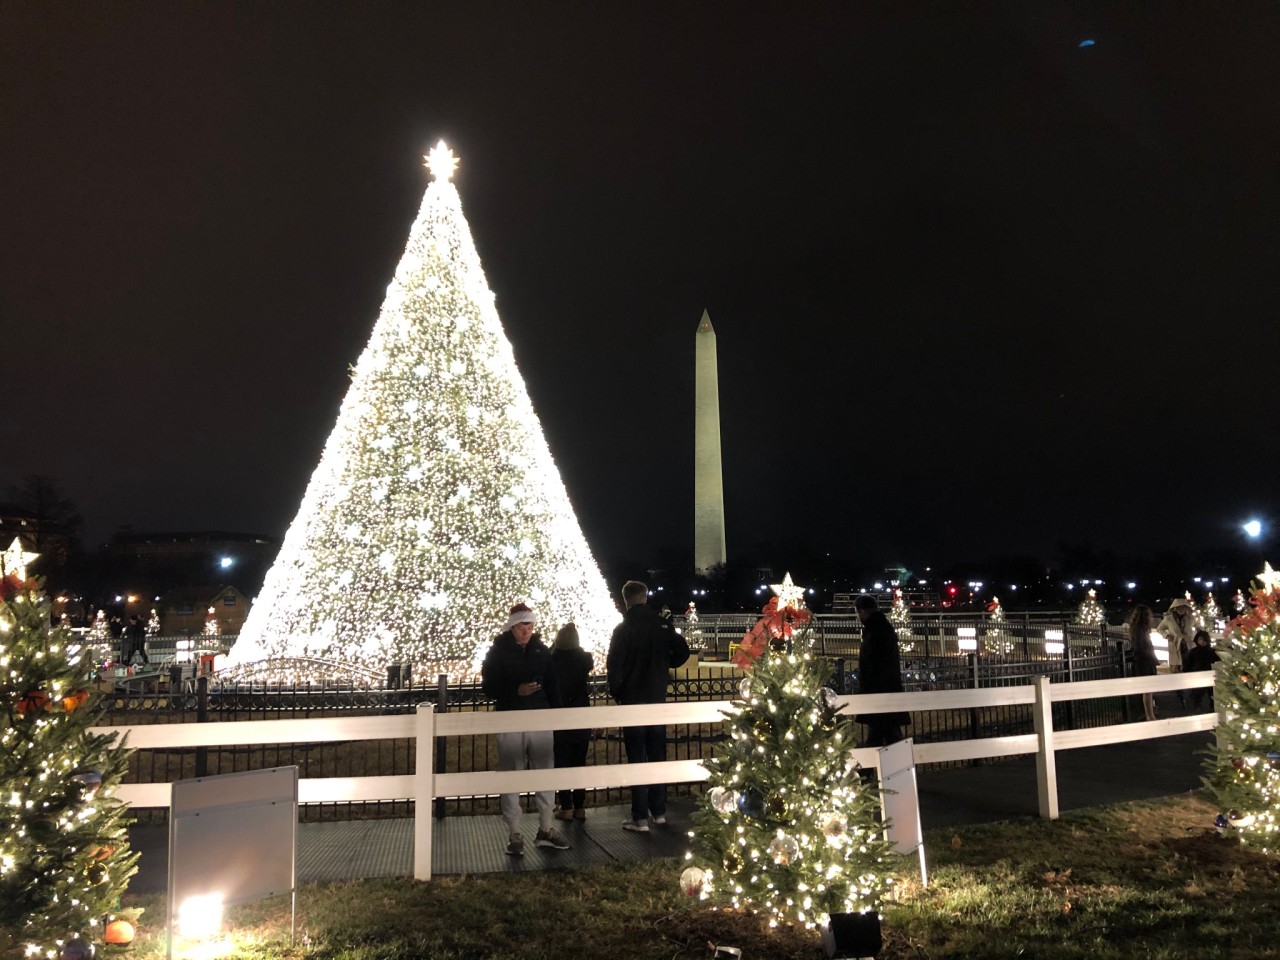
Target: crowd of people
(521,673)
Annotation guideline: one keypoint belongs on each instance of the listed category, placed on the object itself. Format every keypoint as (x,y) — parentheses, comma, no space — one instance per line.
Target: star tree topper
(14,560)
(441,162)
(789,595)
(1269,578)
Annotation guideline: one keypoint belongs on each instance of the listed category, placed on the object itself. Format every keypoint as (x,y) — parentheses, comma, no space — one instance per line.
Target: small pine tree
(211,628)
(1197,617)
(1091,612)
(788,827)
(997,638)
(1212,616)
(153,624)
(64,853)
(900,617)
(100,629)
(1243,769)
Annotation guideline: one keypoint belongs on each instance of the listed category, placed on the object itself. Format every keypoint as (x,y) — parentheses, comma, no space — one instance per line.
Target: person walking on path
(570,671)
(879,671)
(1144,653)
(643,648)
(513,674)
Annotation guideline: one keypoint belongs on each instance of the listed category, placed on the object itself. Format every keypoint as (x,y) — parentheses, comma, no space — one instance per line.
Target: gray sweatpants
(532,750)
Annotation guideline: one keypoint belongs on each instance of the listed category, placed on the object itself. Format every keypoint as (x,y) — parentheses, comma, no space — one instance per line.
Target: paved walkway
(1087,777)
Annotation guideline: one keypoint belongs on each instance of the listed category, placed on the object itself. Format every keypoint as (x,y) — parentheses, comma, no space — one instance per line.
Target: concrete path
(1088,777)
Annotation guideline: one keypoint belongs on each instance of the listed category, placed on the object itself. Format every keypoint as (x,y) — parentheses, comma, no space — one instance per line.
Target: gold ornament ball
(775,808)
(732,862)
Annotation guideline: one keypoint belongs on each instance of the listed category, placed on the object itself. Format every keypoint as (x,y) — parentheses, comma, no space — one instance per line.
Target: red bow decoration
(775,623)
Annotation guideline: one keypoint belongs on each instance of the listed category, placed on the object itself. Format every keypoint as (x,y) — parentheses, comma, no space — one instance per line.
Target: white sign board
(901,803)
(234,835)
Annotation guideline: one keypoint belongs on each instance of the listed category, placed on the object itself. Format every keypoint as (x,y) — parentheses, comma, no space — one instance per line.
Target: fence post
(202,716)
(442,706)
(1071,677)
(1026,635)
(424,790)
(1046,762)
(975,674)
(1124,672)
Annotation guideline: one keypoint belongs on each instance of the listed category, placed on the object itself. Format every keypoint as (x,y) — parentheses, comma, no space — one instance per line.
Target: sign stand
(235,837)
(900,803)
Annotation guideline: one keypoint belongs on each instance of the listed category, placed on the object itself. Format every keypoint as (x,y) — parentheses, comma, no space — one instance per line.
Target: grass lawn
(1135,880)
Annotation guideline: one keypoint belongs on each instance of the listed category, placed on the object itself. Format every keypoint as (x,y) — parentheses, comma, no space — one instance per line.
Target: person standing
(1144,654)
(643,648)
(1201,657)
(571,674)
(134,641)
(879,671)
(1178,627)
(512,675)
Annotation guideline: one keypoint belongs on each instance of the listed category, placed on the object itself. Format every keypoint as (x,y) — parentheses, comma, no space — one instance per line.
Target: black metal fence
(205,701)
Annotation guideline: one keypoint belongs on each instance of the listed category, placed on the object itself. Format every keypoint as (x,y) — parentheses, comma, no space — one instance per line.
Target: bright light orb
(441,162)
(1253,529)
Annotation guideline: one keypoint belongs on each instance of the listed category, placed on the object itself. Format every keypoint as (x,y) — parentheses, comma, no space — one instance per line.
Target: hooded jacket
(507,665)
(642,649)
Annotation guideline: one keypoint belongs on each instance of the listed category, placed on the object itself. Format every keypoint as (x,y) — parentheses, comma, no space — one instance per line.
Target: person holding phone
(512,675)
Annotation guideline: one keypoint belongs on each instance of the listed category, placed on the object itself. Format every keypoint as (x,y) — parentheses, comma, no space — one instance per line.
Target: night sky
(977,288)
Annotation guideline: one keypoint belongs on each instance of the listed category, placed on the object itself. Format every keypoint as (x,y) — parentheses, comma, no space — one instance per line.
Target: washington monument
(708,487)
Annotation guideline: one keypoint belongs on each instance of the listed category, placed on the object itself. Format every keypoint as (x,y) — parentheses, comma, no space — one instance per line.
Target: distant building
(183,611)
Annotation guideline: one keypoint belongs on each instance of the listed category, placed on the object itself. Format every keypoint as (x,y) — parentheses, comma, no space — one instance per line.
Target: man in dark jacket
(512,675)
(644,647)
(879,671)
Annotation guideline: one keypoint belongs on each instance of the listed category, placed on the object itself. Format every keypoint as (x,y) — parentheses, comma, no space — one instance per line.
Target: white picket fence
(426,725)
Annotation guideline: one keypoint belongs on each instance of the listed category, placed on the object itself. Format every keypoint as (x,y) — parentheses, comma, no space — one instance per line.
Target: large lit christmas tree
(1244,765)
(436,504)
(1091,612)
(64,853)
(788,826)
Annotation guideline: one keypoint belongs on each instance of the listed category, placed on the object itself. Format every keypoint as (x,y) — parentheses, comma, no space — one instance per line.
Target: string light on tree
(1214,621)
(997,639)
(1091,613)
(436,503)
(100,629)
(787,827)
(900,617)
(64,851)
(1244,765)
(211,628)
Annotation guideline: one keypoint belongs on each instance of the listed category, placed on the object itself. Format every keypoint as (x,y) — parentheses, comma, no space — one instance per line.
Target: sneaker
(660,820)
(635,826)
(580,813)
(515,845)
(551,838)
(564,814)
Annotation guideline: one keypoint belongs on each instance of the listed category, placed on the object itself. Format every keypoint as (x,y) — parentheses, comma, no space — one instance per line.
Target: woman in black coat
(571,677)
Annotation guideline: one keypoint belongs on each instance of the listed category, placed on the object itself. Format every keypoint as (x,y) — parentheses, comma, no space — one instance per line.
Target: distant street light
(226,562)
(1253,529)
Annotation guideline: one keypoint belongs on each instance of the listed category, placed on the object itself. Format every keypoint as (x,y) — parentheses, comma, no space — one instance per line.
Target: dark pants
(571,751)
(645,745)
(882,731)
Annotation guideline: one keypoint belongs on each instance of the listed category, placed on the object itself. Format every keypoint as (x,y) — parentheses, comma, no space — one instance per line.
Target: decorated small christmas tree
(1091,612)
(997,639)
(1212,616)
(1244,765)
(153,624)
(693,627)
(64,853)
(788,826)
(436,504)
(900,617)
(100,630)
(211,628)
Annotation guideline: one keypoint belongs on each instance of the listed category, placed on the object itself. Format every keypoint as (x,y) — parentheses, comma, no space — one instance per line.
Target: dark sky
(977,288)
